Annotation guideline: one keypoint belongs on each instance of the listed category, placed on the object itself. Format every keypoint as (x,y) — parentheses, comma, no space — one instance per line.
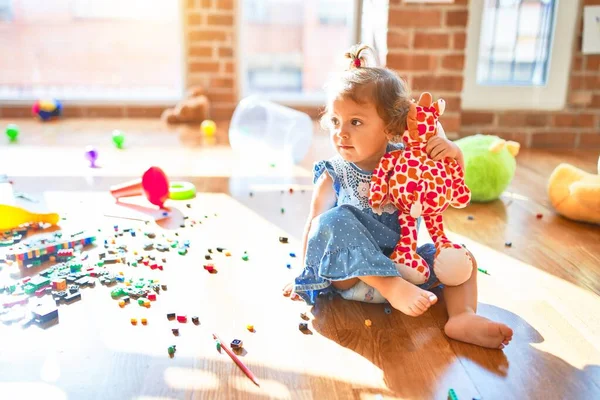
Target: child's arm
(323,199)
(440,147)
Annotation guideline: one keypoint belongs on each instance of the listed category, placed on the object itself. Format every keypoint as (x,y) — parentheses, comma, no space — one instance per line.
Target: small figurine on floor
(194,108)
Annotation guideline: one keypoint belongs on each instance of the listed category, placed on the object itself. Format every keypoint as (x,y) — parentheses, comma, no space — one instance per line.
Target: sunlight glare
(51,368)
(31,390)
(185,378)
(276,390)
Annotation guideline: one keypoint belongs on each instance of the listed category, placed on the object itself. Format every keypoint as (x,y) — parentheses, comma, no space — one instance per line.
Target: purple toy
(91,154)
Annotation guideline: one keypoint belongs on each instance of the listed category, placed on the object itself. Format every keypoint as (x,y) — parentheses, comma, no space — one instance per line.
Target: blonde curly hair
(363,81)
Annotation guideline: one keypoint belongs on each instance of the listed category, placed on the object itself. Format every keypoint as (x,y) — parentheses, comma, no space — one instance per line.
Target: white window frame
(287,99)
(551,96)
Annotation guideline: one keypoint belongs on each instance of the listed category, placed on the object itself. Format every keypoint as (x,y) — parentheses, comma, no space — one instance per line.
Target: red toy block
(152,297)
(181,318)
(209,267)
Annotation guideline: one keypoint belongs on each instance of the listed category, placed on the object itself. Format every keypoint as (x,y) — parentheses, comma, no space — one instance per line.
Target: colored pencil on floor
(235,359)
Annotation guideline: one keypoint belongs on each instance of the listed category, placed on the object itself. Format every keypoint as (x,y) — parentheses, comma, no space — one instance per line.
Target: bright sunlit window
(516,38)
(91,50)
(519,54)
(288,48)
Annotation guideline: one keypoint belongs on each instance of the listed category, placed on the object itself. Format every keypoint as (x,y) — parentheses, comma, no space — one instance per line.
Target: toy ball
(12,131)
(208,127)
(46,110)
(91,154)
(270,132)
(490,165)
(118,138)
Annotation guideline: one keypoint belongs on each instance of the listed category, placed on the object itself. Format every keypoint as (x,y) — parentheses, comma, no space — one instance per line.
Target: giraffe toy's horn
(425,99)
(440,106)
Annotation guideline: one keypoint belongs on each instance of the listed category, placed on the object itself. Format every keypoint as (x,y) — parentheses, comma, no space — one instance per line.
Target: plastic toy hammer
(153,184)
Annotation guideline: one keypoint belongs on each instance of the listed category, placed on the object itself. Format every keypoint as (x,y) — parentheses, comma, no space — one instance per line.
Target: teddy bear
(575,193)
(194,108)
(490,165)
(420,187)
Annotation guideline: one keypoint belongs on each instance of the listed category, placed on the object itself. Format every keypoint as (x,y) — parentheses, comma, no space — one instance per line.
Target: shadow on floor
(418,361)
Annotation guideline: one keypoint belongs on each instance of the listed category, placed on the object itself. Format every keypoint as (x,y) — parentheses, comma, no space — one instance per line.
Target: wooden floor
(546,286)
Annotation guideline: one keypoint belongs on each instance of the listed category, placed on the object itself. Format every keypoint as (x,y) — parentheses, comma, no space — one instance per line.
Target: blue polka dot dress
(350,240)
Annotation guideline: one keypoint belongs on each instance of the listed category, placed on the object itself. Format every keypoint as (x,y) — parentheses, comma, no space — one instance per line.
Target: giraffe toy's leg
(452,265)
(379,190)
(411,265)
(435,227)
(461,195)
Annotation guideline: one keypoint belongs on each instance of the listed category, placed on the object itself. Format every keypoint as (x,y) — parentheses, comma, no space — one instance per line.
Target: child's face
(358,133)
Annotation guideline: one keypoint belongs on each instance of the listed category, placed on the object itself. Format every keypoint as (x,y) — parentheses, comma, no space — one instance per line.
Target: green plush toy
(489,165)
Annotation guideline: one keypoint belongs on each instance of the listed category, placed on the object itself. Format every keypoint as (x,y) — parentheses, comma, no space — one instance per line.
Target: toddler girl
(346,245)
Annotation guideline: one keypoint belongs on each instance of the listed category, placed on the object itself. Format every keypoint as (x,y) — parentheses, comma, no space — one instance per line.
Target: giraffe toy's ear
(425,99)
(440,106)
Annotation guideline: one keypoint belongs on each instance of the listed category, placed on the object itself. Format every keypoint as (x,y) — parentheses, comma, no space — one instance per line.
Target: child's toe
(506,331)
(422,303)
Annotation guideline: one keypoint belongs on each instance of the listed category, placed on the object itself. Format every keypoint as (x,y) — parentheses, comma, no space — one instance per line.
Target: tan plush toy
(575,193)
(194,108)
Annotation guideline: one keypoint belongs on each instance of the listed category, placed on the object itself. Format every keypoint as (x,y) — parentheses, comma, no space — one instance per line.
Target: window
(288,48)
(273,79)
(374,27)
(333,12)
(521,57)
(118,9)
(519,54)
(5,10)
(88,51)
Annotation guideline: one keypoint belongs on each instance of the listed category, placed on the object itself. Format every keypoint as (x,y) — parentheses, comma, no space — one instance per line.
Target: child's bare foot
(472,328)
(288,291)
(408,298)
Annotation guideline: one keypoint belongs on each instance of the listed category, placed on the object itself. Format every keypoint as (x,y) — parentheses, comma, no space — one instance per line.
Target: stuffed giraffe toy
(421,187)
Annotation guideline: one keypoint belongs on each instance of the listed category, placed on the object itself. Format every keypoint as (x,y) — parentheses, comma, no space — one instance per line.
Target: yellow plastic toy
(208,127)
(575,193)
(11,217)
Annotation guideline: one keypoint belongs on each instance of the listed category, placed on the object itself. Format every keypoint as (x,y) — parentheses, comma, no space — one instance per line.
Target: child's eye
(334,121)
(356,122)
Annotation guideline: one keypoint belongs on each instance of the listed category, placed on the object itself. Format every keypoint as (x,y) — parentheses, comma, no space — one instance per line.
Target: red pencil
(239,363)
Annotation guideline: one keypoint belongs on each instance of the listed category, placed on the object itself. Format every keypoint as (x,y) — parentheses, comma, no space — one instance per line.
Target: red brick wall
(210,31)
(427,45)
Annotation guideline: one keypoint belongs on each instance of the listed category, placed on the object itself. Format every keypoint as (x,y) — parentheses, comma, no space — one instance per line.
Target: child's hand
(439,148)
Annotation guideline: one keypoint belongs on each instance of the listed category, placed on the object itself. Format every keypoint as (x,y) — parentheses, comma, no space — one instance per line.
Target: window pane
(290,46)
(90,50)
(515,39)
(374,27)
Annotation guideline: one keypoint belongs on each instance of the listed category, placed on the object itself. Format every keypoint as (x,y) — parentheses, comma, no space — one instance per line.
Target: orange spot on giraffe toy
(421,187)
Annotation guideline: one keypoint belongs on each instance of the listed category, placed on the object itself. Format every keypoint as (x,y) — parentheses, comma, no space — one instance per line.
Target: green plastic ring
(180,190)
